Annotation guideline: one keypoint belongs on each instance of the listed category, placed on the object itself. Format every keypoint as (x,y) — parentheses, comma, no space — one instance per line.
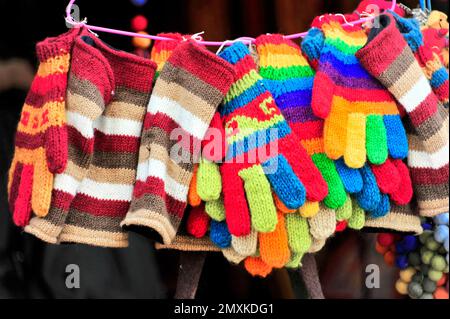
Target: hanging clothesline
(246,40)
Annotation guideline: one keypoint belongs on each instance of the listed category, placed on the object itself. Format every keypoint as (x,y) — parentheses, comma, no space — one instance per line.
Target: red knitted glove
(41,139)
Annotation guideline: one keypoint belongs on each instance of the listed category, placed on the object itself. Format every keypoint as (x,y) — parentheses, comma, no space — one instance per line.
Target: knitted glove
(41,138)
(254,126)
(361,118)
(290,79)
(428,60)
(399,71)
(108,93)
(190,87)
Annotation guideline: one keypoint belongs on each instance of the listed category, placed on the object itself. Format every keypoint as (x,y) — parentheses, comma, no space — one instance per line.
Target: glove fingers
(405,192)
(232,256)
(322,96)
(214,144)
(334,135)
(382,208)
(355,147)
(323,225)
(345,212)
(351,178)
(304,168)
(22,206)
(236,208)
(376,141)
(281,207)
(336,193)
(295,261)
(198,222)
(220,235)
(397,141)
(193,198)
(56,145)
(209,181)
(216,210)
(309,210)
(358,219)
(257,267)
(370,196)
(273,247)
(42,188)
(298,233)
(387,176)
(259,197)
(284,182)
(245,245)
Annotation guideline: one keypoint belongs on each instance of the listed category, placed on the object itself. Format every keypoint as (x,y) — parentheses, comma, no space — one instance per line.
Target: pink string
(246,40)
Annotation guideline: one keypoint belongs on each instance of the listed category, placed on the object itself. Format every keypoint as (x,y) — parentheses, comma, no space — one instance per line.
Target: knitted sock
(399,71)
(290,79)
(41,138)
(94,192)
(362,122)
(190,87)
(251,117)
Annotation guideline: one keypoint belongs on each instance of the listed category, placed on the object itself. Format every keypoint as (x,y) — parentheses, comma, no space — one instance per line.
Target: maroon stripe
(78,141)
(115,143)
(61,200)
(155,186)
(98,207)
(14,191)
(29,141)
(425,110)
(171,127)
(429,176)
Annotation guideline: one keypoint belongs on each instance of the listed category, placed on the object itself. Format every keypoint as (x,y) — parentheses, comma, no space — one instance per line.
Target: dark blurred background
(29,268)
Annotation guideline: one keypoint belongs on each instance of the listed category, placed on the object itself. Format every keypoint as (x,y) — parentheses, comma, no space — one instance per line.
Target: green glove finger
(298,234)
(260,201)
(336,192)
(376,140)
(358,219)
(295,261)
(209,181)
(216,210)
(345,212)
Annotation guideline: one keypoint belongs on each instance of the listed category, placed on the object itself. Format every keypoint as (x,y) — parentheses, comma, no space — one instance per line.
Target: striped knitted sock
(190,87)
(399,71)
(362,122)
(41,139)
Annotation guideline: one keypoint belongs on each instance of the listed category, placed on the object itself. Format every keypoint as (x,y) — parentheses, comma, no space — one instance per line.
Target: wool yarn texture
(290,79)
(429,61)
(362,122)
(254,128)
(187,93)
(107,95)
(427,120)
(41,139)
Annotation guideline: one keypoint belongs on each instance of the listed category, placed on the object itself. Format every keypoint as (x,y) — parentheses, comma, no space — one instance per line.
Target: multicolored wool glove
(399,71)
(372,185)
(187,93)
(107,95)
(362,122)
(41,139)
(263,154)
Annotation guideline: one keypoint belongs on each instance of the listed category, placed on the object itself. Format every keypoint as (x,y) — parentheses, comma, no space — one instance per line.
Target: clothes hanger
(196,37)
